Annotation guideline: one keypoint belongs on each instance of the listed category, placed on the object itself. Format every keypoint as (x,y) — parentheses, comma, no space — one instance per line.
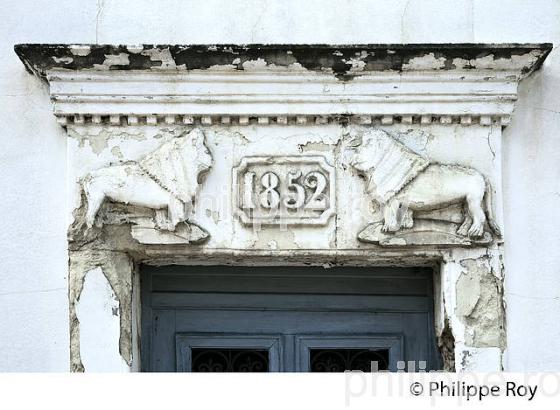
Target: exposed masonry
(480,303)
(446,344)
(205,120)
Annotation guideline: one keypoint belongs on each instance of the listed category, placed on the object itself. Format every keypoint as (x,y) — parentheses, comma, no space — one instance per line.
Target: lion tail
(489,205)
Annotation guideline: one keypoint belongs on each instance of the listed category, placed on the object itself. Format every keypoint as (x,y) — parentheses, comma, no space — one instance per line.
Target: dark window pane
(229,360)
(339,360)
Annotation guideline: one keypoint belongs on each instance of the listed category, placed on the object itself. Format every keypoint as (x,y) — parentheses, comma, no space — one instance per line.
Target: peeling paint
(446,343)
(274,238)
(355,64)
(318,58)
(97,142)
(63,60)
(426,62)
(80,50)
(117,269)
(463,287)
(98,138)
(135,49)
(98,313)
(416,139)
(490,62)
(479,304)
(120,59)
(224,67)
(222,136)
(162,55)
(315,147)
(472,322)
(480,359)
(254,65)
(116,151)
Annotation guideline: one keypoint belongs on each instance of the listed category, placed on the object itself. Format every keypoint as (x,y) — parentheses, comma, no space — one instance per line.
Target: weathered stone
(480,304)
(403,183)
(343,60)
(313,122)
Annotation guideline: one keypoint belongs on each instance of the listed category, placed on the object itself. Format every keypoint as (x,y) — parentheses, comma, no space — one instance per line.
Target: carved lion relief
(165,181)
(422,202)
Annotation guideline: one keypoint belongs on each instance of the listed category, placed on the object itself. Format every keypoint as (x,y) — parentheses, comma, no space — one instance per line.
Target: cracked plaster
(470,322)
(472,307)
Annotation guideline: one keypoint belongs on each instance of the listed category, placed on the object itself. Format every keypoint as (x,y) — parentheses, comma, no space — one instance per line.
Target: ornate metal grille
(229,360)
(339,360)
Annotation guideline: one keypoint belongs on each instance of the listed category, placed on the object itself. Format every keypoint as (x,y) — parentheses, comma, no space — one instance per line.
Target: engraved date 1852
(271,194)
(287,190)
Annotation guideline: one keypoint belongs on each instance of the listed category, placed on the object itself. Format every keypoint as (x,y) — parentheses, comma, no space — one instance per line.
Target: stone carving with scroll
(165,181)
(413,194)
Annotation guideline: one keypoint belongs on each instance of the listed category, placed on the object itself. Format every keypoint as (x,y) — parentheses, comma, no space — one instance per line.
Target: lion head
(179,164)
(387,164)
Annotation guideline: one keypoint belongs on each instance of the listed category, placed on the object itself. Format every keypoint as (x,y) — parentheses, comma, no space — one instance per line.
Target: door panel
(218,352)
(293,314)
(346,352)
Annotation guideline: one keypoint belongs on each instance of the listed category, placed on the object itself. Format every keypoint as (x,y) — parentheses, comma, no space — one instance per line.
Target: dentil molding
(283,84)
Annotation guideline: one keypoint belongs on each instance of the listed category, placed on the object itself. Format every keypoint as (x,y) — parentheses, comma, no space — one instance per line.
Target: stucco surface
(34,332)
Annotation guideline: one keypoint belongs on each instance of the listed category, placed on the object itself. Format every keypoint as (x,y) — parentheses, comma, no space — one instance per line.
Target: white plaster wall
(34,332)
(33,259)
(98,313)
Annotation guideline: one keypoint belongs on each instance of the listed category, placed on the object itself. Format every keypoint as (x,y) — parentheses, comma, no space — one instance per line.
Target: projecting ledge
(280,84)
(341,60)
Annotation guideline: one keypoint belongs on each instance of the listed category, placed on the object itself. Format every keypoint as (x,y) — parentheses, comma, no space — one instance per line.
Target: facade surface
(448,124)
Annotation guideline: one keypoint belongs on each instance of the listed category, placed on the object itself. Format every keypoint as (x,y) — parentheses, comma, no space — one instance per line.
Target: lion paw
(407,222)
(476,231)
(388,228)
(165,226)
(464,228)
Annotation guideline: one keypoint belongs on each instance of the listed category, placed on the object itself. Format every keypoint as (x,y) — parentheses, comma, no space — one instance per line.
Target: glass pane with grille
(229,360)
(340,360)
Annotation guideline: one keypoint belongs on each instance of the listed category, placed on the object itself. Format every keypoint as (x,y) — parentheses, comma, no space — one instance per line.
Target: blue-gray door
(286,319)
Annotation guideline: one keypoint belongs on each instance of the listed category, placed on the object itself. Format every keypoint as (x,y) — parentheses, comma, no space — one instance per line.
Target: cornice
(283,84)
(341,60)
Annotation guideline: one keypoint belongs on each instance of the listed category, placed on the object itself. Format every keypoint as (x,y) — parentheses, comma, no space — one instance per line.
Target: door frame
(394,341)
